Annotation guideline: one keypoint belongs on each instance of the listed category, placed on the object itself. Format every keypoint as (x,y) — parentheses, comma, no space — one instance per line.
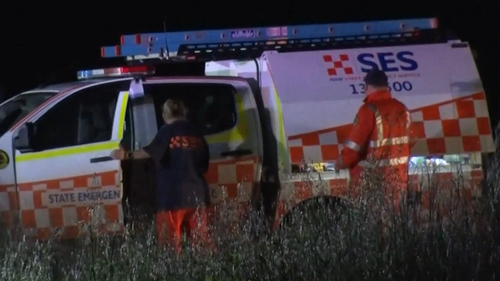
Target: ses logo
(345,66)
(351,68)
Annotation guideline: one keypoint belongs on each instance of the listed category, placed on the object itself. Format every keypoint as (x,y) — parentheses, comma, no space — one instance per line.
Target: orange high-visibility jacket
(381,135)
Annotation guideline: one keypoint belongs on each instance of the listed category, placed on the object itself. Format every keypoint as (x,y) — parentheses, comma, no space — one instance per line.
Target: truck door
(68,168)
(224,108)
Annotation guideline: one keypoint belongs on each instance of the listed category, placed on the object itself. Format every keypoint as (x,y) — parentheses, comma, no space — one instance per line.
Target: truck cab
(61,149)
(272,100)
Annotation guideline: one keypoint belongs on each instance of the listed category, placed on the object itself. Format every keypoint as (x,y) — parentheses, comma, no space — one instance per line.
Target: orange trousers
(169,226)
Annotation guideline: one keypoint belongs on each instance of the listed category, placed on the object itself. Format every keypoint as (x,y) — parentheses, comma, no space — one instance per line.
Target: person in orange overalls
(181,157)
(380,136)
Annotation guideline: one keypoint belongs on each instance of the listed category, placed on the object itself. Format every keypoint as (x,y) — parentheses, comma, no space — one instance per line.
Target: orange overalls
(169,227)
(380,136)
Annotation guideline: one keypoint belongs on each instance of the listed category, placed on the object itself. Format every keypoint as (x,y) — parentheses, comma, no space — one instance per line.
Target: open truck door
(138,174)
(63,166)
(224,109)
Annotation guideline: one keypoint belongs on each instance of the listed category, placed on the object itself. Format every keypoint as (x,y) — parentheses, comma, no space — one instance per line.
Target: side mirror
(24,139)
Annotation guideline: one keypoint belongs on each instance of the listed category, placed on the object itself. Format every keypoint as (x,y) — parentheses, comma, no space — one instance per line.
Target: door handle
(236,153)
(101,159)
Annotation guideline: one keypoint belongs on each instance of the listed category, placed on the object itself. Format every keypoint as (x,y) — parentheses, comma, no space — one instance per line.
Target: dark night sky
(39,40)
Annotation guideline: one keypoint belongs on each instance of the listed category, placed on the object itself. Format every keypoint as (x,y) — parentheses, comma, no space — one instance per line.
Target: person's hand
(118,154)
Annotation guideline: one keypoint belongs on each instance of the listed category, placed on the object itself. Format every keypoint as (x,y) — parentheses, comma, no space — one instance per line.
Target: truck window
(211,106)
(82,118)
(18,107)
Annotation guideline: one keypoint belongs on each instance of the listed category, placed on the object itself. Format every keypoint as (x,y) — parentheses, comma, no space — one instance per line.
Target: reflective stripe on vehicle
(108,145)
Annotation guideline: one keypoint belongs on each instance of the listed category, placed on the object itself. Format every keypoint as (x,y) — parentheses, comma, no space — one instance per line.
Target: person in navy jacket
(181,157)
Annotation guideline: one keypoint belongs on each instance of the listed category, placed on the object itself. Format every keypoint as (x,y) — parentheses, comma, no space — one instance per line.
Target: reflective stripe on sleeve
(352,145)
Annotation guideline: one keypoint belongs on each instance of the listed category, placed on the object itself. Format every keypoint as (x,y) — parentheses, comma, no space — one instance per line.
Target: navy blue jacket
(181,157)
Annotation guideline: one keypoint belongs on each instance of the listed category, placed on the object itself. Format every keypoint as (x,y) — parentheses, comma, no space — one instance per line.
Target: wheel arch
(336,204)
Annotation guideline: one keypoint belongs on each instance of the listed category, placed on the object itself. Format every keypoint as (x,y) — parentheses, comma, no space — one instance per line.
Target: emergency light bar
(252,41)
(124,71)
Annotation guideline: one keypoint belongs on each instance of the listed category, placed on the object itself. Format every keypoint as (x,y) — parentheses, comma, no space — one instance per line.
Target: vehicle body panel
(310,99)
(318,100)
(58,189)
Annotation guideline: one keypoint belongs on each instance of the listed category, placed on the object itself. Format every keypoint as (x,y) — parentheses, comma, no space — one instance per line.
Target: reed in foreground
(352,244)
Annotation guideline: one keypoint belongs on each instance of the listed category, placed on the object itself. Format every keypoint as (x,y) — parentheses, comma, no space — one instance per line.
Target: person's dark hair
(175,108)
(377,78)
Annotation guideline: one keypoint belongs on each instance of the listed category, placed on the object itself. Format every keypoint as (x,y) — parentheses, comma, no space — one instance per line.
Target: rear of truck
(310,84)
(313,97)
(439,84)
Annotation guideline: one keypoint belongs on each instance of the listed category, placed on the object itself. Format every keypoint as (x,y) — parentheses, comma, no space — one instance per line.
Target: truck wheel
(316,216)
(312,235)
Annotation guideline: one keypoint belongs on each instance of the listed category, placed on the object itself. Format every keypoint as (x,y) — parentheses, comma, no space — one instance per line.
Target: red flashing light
(123,71)
(136,69)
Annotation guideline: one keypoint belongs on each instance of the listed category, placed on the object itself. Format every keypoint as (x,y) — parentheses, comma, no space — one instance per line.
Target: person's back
(379,142)
(181,157)
(390,140)
(181,170)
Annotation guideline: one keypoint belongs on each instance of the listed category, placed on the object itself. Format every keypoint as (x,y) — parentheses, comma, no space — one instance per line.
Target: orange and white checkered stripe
(231,181)
(235,176)
(304,187)
(442,188)
(231,185)
(8,205)
(37,218)
(453,127)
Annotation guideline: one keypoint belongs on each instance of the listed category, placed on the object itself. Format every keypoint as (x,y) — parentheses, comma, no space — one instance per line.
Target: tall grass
(366,242)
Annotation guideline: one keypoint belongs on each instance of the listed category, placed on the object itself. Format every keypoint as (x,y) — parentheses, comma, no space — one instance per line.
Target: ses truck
(271,100)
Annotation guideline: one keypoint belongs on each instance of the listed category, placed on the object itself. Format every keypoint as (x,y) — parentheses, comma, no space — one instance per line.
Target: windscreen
(18,107)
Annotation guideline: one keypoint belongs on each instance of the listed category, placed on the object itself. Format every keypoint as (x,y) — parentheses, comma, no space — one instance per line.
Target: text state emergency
(83,197)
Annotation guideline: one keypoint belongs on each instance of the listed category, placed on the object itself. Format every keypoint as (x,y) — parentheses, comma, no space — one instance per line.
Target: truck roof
(68,85)
(63,86)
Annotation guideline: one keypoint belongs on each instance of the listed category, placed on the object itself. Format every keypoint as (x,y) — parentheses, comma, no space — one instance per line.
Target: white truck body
(281,109)
(314,102)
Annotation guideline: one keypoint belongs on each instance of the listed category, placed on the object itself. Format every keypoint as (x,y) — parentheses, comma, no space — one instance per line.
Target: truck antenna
(165,51)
